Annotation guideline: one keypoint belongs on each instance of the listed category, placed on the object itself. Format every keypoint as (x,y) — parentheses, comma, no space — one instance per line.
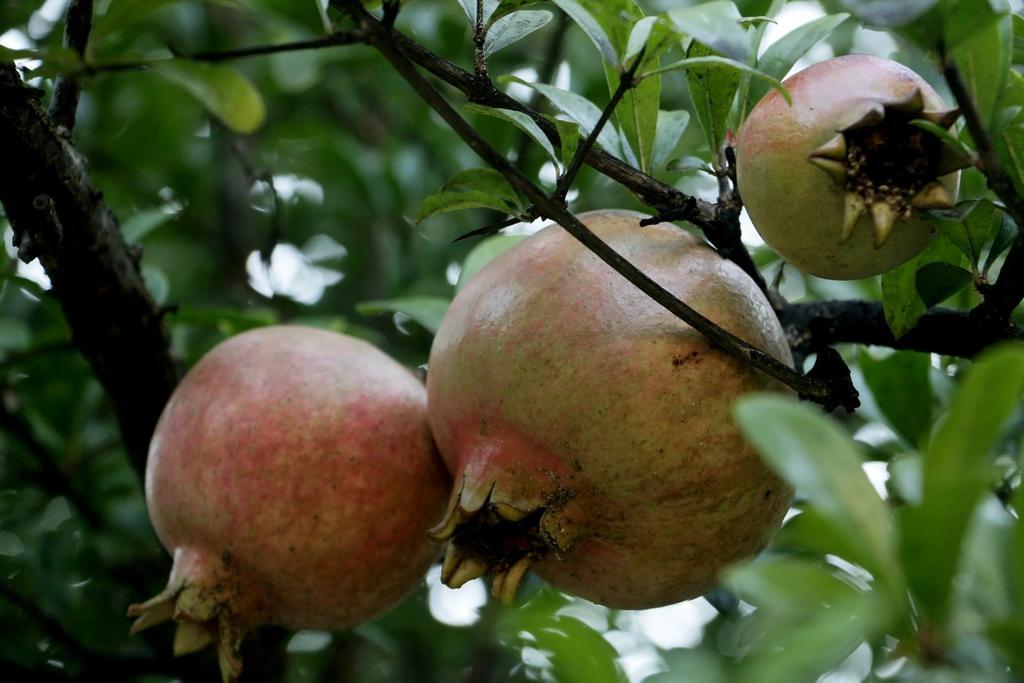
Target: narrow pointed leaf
(225,92)
(513,27)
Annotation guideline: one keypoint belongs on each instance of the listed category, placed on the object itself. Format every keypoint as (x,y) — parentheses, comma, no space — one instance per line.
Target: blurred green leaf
(513,27)
(472,189)
(136,228)
(957,470)
(814,455)
(1010,141)
(714,61)
(225,92)
(717,25)
(229,321)
(936,282)
(983,57)
(484,253)
(900,386)
(425,310)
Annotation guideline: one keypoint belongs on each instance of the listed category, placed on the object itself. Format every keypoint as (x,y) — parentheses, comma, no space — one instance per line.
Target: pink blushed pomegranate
(589,431)
(836,182)
(293,477)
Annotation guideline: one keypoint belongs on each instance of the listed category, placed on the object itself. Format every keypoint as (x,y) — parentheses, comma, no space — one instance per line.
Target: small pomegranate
(589,431)
(292,476)
(833,183)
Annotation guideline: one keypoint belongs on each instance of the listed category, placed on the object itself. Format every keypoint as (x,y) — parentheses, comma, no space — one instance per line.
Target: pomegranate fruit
(833,183)
(589,431)
(292,476)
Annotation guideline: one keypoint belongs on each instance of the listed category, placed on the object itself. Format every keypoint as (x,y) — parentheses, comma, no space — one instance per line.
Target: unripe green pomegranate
(292,476)
(835,183)
(589,431)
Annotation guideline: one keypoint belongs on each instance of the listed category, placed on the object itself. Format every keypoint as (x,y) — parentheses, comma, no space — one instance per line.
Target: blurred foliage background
(311,219)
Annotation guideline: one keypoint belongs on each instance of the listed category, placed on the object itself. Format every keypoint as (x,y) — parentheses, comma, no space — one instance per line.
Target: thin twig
(626,82)
(1003,296)
(77,25)
(822,392)
(215,56)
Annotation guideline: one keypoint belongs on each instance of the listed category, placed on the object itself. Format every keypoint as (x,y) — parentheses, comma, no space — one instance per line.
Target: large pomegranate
(590,431)
(292,476)
(835,182)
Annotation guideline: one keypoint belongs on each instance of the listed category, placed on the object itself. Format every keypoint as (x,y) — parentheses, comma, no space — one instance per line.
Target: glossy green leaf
(957,471)
(449,201)
(522,121)
(586,21)
(470,6)
(714,61)
(482,180)
(814,455)
(892,380)
(513,27)
(428,311)
(569,136)
(780,57)
(225,92)
(901,301)
(1005,234)
(970,226)
(717,25)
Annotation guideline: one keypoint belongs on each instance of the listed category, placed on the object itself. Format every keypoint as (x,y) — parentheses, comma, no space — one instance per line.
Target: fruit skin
(558,389)
(798,208)
(293,476)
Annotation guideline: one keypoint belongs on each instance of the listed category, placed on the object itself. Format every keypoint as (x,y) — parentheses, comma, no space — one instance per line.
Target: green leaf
(717,25)
(582,111)
(225,92)
(757,32)
(816,456)
(136,228)
(968,20)
(428,311)
(1010,140)
(688,164)
(781,55)
(522,121)
(1018,39)
(55,60)
(576,652)
(969,226)
(469,7)
(901,301)
(569,137)
(671,126)
(638,37)
(957,472)
(483,253)
(712,91)
(726,63)
(227,320)
(1006,233)
(948,137)
(983,58)
(887,14)
(513,27)
(900,386)
(447,202)
(586,21)
(936,282)
(808,619)
(483,180)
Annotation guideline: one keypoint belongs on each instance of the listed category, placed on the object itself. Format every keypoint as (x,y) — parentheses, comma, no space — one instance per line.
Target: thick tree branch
(59,216)
(826,393)
(1003,296)
(77,25)
(817,324)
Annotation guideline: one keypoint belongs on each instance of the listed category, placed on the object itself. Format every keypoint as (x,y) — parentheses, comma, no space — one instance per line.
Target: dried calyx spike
(496,539)
(890,167)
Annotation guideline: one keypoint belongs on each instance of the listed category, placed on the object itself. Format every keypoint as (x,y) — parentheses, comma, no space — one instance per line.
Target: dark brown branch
(817,324)
(1003,296)
(821,392)
(59,216)
(77,25)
